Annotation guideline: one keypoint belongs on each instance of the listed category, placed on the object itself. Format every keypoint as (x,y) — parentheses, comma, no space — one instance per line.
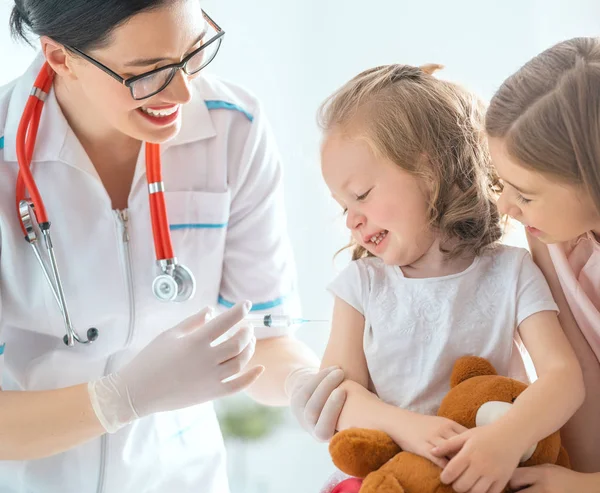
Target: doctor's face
(147,41)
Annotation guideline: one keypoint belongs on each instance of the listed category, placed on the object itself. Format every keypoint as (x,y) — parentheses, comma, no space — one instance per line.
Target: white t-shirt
(416,329)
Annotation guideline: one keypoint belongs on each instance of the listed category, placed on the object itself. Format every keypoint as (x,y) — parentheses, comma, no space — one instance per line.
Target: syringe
(275,321)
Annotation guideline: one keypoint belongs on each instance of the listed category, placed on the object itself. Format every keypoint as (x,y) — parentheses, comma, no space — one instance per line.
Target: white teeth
(378,238)
(159,113)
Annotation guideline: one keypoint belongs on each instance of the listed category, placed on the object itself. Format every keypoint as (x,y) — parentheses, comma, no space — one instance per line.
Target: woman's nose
(179,88)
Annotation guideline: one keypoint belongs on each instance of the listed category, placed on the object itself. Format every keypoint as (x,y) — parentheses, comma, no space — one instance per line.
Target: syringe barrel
(268,320)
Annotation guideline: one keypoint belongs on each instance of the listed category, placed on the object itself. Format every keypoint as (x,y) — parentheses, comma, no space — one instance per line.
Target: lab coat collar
(196,122)
(57,142)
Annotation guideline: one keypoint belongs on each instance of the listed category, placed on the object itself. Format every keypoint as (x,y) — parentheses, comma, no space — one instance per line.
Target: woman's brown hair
(548,114)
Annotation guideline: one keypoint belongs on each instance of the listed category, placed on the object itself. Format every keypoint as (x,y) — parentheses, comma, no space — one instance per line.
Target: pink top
(577,264)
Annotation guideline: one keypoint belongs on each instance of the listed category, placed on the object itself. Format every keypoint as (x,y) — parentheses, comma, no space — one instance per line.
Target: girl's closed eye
(364,195)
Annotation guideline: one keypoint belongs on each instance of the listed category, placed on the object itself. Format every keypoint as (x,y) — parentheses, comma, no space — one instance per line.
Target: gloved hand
(178,369)
(315,399)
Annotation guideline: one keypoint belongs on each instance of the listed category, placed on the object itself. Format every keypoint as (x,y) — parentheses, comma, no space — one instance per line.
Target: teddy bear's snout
(492,411)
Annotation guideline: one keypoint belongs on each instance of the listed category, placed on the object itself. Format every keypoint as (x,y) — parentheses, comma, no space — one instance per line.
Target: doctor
(162,190)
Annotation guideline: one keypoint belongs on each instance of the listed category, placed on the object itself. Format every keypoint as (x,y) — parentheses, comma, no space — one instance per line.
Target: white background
(293,54)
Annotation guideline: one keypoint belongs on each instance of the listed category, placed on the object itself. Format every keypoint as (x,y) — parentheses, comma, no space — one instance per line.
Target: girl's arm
(345,350)
(553,398)
(491,453)
(363,409)
(581,433)
(345,346)
(488,455)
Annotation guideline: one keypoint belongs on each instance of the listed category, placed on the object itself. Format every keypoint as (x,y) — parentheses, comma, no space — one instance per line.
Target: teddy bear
(477,396)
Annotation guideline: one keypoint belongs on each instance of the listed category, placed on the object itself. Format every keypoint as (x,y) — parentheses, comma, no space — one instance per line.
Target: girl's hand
(484,459)
(420,434)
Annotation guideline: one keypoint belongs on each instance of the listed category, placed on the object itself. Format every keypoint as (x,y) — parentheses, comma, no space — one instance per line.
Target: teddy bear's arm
(358,452)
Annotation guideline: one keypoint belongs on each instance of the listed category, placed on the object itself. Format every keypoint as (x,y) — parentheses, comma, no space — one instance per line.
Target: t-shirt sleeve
(533,292)
(351,285)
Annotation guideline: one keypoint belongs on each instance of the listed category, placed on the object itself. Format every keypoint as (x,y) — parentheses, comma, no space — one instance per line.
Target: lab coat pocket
(197,210)
(198,225)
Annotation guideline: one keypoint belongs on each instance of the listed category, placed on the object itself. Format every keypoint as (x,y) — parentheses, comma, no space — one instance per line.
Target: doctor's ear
(58,57)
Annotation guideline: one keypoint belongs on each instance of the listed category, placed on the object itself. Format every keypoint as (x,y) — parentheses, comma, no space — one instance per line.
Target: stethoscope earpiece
(92,335)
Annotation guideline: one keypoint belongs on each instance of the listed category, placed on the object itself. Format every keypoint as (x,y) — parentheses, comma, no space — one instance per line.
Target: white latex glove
(315,399)
(178,369)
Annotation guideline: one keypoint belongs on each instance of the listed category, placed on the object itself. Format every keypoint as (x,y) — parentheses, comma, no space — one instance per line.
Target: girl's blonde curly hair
(433,129)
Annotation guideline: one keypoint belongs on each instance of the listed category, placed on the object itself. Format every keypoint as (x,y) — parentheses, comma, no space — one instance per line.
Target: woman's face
(147,41)
(551,211)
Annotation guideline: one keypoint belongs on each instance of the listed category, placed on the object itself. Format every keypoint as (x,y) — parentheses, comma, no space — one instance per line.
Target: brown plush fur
(386,468)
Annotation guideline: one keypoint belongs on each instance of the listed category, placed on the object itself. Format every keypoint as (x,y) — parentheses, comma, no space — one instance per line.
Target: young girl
(405,156)
(544,129)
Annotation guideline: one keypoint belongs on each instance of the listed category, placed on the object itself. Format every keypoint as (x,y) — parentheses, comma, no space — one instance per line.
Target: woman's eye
(522,199)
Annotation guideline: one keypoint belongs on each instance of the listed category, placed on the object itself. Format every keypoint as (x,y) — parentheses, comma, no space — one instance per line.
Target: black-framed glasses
(150,83)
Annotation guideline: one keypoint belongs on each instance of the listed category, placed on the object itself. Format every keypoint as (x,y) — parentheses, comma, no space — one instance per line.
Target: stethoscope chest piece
(176,283)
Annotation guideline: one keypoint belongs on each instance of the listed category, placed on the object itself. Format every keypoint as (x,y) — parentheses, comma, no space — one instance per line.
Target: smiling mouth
(160,113)
(379,237)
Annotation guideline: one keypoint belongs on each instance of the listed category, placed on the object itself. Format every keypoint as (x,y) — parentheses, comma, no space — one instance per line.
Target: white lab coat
(223,193)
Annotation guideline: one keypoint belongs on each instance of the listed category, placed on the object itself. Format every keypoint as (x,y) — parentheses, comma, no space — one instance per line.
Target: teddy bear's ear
(469,367)
(431,68)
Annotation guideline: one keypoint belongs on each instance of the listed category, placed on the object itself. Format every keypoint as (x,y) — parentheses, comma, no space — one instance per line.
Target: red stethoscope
(175,282)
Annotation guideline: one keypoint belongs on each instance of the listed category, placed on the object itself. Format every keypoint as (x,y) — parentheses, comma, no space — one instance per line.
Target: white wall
(292,54)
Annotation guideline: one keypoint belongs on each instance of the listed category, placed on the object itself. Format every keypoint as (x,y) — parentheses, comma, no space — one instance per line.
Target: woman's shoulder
(220,93)
(14,96)
(5,98)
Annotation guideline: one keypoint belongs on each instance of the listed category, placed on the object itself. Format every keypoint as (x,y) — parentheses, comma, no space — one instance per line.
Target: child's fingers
(459,428)
(450,446)
(483,485)
(438,461)
(497,487)
(465,481)
(455,468)
(450,433)
(437,442)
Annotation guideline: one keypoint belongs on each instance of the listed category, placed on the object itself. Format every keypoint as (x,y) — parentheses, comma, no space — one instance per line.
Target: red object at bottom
(351,485)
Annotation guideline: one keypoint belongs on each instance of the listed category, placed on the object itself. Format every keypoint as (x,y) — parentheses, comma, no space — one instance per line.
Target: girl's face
(386,207)
(147,41)
(551,211)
